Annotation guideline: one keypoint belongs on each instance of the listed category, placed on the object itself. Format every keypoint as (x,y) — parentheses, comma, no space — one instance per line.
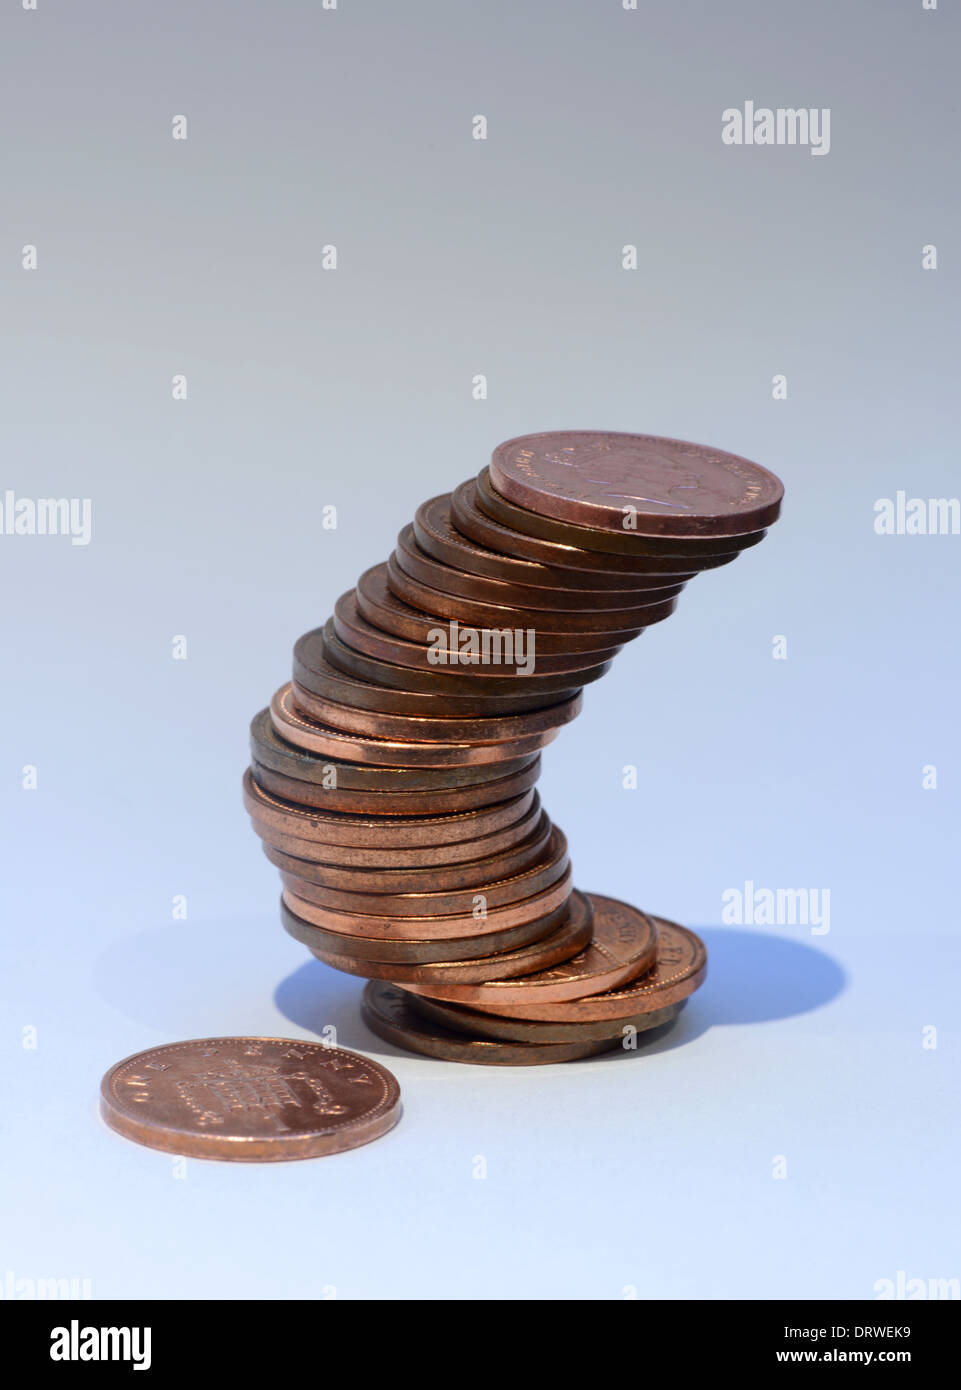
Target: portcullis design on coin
(250,1099)
(393,776)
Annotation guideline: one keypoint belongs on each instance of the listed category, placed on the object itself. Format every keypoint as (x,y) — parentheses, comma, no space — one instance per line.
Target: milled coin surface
(250,1099)
(672,487)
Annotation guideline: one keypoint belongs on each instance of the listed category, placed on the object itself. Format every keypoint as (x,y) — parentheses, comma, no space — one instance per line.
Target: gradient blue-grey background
(308,127)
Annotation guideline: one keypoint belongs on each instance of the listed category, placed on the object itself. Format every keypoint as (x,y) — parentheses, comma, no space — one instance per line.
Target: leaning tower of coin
(393,779)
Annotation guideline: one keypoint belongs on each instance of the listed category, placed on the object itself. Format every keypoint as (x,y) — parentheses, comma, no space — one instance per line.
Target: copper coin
(557,598)
(344,828)
(563,942)
(253,1099)
(323,936)
(550,866)
(359,635)
(324,680)
(269,750)
(674,488)
(680,969)
(294,726)
(437,535)
(617,624)
(436,801)
(400,856)
(475,872)
(623,946)
(542,722)
(485,1025)
(601,539)
(382,608)
(387,1012)
(471,517)
(513,690)
(374,921)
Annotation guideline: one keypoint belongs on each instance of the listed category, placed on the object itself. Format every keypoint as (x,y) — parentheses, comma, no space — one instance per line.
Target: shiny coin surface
(292,724)
(485,1025)
(437,536)
(432,902)
(497,663)
(622,946)
(670,487)
(475,872)
(253,1099)
(680,969)
(568,931)
(436,801)
(387,1012)
(502,528)
(269,750)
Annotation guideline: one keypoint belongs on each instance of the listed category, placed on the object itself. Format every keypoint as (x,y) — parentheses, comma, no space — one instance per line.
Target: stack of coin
(393,779)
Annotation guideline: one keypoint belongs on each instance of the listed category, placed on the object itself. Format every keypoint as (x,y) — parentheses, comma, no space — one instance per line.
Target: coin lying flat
(250,1099)
(674,488)
(387,1012)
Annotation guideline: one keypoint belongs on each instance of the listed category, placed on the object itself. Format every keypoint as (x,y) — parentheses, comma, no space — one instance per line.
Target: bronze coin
(253,1099)
(508,936)
(437,535)
(510,692)
(563,942)
(540,723)
(550,866)
(559,598)
(436,801)
(374,921)
(324,680)
(680,968)
(675,488)
(485,1025)
(400,856)
(623,946)
(269,750)
(617,624)
(387,1012)
(471,517)
(382,608)
(344,828)
(475,872)
(357,634)
(294,726)
(614,542)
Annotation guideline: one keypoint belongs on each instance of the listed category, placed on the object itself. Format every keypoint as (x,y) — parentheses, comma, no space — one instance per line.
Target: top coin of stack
(393,779)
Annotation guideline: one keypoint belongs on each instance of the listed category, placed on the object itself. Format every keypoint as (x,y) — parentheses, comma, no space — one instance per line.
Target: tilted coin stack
(393,779)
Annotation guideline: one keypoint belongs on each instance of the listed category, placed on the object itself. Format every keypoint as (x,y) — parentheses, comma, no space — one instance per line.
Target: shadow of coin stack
(393,779)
